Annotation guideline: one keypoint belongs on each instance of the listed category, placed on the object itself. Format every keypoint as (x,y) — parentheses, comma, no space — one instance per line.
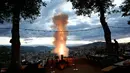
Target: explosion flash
(60,21)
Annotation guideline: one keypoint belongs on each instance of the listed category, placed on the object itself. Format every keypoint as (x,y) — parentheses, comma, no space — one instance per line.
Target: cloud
(44,22)
(40,41)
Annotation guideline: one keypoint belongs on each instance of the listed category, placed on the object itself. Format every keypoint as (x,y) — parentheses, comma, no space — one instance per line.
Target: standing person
(116,46)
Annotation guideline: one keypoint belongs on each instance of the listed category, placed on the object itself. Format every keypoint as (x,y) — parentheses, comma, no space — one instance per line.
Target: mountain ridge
(48,48)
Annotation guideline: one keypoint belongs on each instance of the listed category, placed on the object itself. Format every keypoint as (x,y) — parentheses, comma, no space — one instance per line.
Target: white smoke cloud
(60,35)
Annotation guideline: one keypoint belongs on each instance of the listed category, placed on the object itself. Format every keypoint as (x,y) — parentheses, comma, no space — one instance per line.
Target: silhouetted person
(46,65)
(116,47)
(14,68)
(33,68)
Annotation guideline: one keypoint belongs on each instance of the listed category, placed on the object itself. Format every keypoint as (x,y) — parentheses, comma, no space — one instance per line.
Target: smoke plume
(60,21)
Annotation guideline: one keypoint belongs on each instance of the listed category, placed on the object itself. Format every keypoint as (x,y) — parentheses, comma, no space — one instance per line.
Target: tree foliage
(86,7)
(28,8)
(125,8)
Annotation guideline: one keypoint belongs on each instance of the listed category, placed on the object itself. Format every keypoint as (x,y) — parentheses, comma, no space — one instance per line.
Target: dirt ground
(83,67)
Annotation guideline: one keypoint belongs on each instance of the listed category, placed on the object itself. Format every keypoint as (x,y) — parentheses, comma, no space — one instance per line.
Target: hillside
(35,48)
(89,46)
(86,46)
(99,45)
(31,48)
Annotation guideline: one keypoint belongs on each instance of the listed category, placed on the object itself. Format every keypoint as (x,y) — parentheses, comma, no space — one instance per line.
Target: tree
(125,8)
(14,10)
(86,7)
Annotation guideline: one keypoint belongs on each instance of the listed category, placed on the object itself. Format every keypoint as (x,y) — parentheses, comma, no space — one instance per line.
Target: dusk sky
(91,28)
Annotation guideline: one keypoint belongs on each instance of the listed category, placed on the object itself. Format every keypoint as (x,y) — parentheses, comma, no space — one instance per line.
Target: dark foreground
(81,65)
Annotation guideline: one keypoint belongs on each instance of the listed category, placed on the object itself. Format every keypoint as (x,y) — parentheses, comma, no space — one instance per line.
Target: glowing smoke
(60,35)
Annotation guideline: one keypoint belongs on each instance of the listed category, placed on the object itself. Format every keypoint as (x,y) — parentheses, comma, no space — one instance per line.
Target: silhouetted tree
(86,7)
(14,10)
(125,8)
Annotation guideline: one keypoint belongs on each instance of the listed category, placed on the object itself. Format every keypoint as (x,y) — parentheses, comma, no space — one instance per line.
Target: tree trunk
(107,32)
(15,42)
